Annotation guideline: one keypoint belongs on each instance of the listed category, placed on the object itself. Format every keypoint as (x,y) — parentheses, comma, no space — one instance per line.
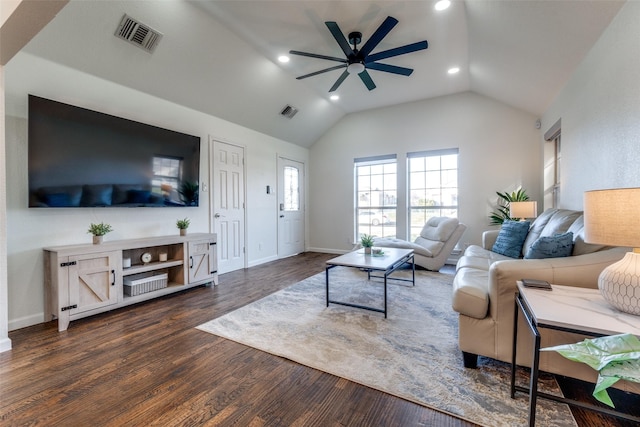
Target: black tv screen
(83,158)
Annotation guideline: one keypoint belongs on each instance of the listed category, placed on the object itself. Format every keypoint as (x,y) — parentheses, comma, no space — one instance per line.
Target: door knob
(281,216)
(217,215)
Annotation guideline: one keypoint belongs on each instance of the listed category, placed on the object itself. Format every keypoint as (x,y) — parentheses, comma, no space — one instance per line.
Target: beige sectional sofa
(485,284)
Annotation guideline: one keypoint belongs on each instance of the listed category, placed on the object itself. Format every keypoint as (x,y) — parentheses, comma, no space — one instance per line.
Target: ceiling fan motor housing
(355,38)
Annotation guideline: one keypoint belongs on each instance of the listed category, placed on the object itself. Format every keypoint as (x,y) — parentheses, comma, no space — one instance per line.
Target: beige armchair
(433,246)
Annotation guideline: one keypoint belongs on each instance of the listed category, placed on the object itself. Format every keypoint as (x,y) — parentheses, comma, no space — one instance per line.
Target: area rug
(413,354)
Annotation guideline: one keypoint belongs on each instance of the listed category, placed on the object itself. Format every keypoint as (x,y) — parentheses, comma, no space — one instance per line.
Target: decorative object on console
(367,243)
(611,217)
(98,231)
(183,224)
(145,258)
(523,210)
(162,257)
(126,262)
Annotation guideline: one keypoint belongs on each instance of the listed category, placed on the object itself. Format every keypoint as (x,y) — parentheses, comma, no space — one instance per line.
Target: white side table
(569,309)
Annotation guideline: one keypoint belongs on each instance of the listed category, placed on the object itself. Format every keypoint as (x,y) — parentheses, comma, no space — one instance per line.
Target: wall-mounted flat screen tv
(81,158)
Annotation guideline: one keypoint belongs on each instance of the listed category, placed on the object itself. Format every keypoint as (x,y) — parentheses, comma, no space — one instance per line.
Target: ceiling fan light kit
(358,61)
(355,68)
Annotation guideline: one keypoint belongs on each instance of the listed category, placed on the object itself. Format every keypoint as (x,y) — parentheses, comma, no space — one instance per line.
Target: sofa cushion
(471,293)
(511,238)
(479,258)
(549,223)
(56,200)
(580,247)
(138,196)
(97,195)
(557,246)
(438,229)
(55,195)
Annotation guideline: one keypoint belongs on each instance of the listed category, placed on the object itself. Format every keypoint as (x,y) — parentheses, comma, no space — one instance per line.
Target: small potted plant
(367,243)
(98,231)
(183,224)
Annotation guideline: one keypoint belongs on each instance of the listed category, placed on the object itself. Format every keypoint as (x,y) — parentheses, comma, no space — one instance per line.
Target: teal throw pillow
(511,238)
(557,246)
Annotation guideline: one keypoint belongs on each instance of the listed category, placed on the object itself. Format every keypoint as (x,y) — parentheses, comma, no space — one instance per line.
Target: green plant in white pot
(367,243)
(182,225)
(98,231)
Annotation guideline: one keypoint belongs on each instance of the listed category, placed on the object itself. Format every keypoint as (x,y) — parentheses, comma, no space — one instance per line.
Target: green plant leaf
(615,357)
(502,207)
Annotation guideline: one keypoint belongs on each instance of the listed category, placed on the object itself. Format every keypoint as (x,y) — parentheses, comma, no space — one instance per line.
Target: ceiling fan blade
(321,71)
(390,68)
(396,51)
(315,55)
(366,79)
(339,81)
(337,34)
(378,35)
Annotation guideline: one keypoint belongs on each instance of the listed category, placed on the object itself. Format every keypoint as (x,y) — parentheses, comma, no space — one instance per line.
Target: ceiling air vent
(289,111)
(138,34)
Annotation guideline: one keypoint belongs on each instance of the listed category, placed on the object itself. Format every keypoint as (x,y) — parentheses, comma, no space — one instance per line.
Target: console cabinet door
(202,260)
(93,281)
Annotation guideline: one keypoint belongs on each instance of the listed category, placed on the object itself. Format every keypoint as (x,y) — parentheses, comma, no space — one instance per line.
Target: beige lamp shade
(611,217)
(523,209)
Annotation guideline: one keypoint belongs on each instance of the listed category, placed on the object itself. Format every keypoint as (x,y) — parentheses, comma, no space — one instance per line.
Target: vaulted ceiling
(220,57)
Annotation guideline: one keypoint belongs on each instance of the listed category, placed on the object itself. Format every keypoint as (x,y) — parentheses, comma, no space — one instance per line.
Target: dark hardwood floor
(147,365)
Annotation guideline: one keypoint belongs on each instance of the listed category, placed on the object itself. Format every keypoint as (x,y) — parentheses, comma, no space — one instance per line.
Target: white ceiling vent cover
(138,34)
(289,111)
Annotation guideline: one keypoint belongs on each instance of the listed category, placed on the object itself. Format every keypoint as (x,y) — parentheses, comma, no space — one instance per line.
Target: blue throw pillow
(139,196)
(511,238)
(557,246)
(57,200)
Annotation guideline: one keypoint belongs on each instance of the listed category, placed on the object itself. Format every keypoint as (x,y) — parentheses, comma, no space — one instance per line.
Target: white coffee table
(390,261)
(570,309)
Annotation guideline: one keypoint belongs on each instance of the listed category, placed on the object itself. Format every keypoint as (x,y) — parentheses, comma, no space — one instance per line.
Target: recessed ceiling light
(283,58)
(453,70)
(334,97)
(442,5)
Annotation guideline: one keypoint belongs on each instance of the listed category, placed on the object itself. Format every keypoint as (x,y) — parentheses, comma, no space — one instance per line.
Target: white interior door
(290,207)
(229,205)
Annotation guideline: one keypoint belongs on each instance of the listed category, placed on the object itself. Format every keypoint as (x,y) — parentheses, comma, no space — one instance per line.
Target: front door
(229,205)
(290,207)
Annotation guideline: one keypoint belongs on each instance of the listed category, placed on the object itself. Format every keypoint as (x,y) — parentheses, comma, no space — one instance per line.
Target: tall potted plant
(504,199)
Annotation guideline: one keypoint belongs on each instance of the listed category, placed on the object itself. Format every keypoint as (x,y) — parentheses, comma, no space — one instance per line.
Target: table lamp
(523,210)
(612,217)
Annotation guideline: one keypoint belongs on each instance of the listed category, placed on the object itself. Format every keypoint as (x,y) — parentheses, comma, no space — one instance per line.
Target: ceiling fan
(358,61)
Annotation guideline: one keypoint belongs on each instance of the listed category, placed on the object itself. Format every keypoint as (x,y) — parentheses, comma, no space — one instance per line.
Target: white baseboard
(23,322)
(5,345)
(328,251)
(262,261)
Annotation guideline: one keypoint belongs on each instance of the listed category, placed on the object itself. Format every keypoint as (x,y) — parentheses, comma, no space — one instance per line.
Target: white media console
(83,280)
